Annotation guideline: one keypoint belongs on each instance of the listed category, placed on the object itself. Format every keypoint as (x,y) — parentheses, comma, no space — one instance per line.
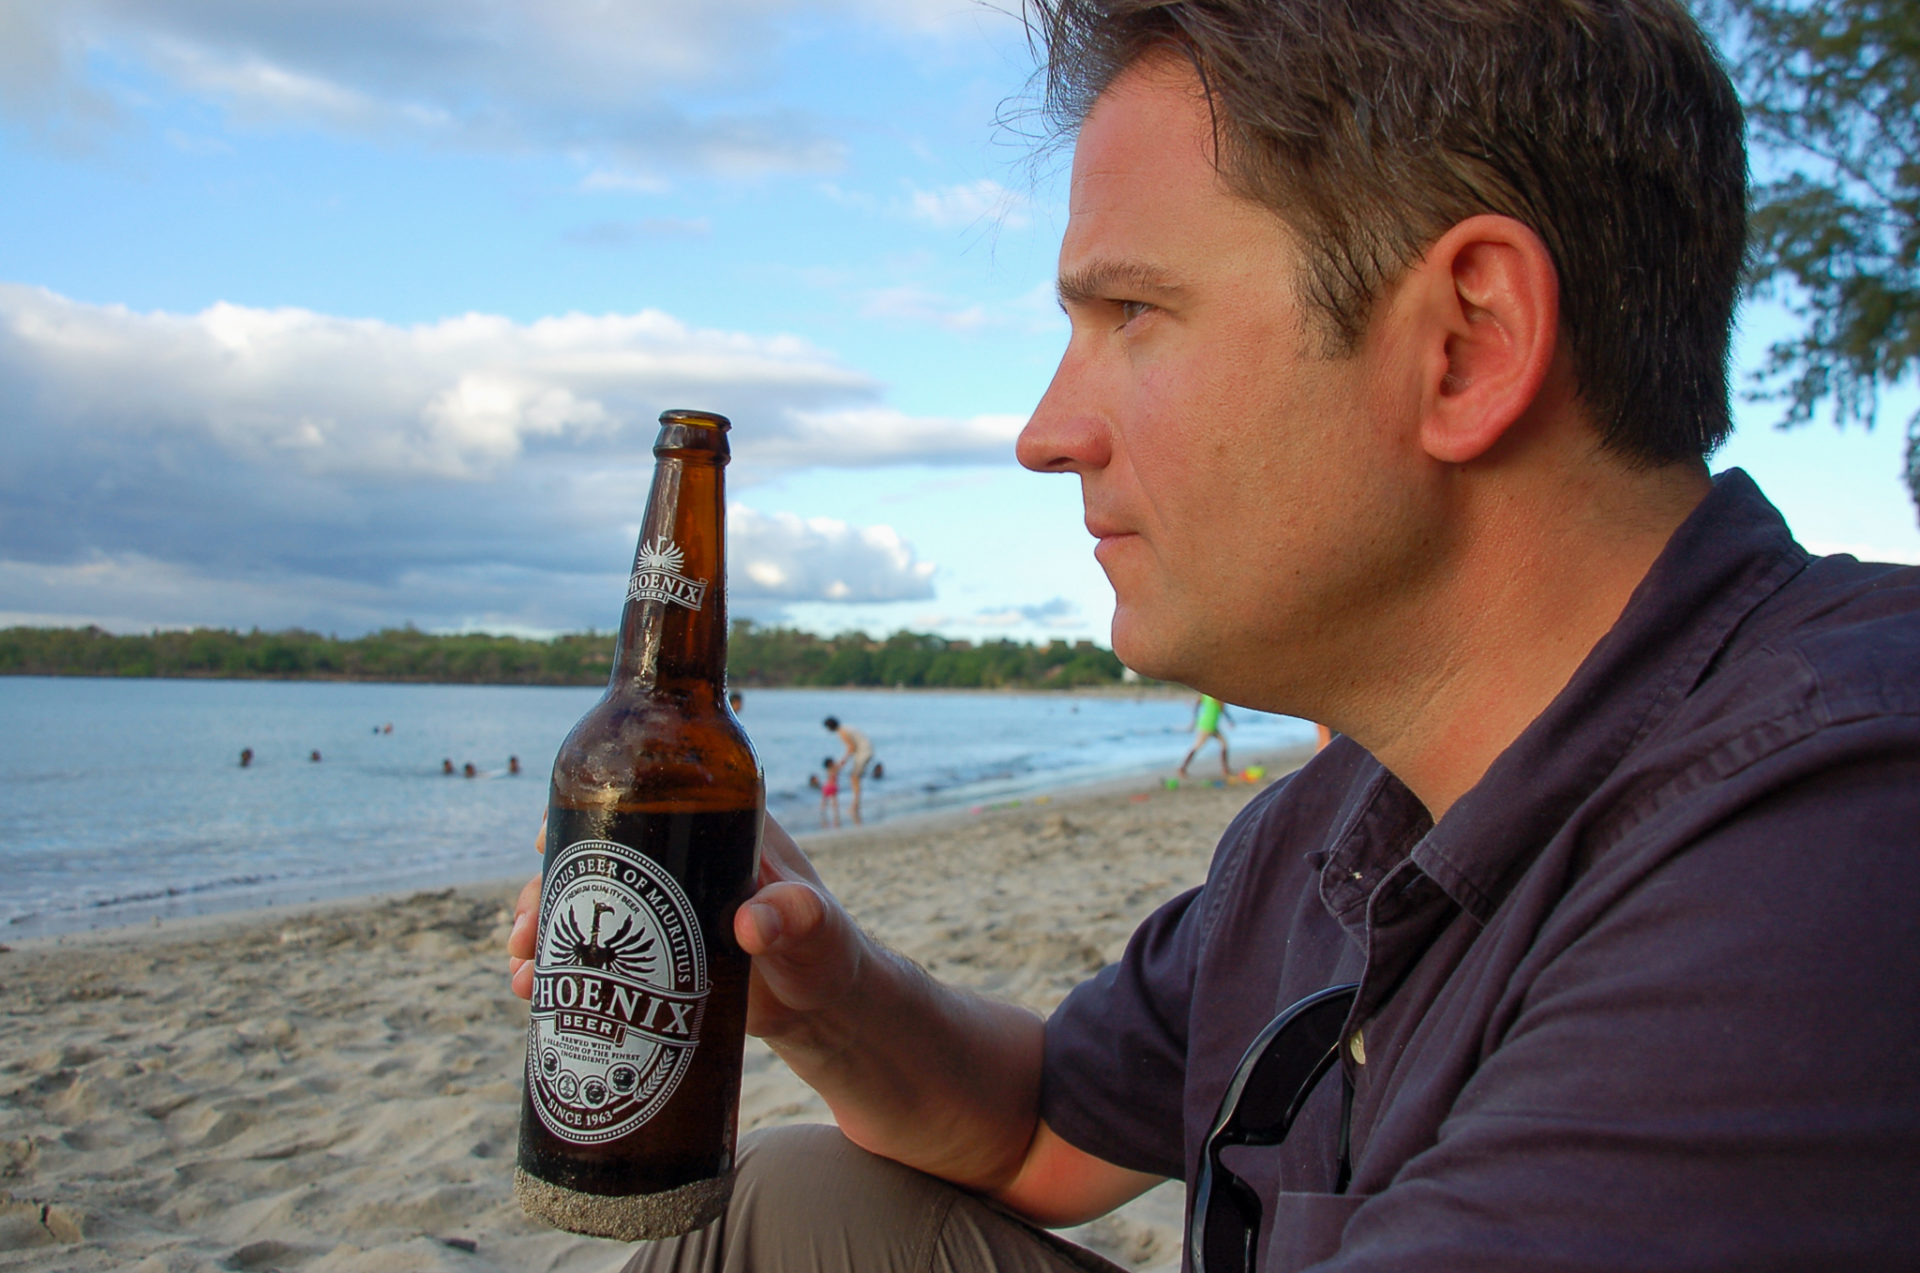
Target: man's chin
(1134,645)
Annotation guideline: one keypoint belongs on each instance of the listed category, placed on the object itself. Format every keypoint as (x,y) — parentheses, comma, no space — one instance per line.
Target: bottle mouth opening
(686,434)
(696,419)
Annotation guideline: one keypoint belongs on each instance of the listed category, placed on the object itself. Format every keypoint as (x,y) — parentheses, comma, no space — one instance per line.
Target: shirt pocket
(1306,1228)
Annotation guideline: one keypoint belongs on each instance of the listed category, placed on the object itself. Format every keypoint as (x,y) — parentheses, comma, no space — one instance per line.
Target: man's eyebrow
(1104,280)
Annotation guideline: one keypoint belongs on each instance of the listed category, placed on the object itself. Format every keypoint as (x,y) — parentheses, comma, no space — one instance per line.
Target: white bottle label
(620,986)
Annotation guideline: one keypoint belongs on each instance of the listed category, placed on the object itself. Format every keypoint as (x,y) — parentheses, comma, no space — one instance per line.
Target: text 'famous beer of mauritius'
(653,841)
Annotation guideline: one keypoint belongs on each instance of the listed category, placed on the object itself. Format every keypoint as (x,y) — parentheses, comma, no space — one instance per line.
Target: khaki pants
(807,1200)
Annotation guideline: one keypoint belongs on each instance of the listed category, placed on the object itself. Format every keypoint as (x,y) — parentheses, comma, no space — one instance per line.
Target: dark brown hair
(1370,127)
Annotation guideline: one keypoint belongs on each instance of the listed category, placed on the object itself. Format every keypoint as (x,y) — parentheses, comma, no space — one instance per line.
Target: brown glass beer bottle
(653,841)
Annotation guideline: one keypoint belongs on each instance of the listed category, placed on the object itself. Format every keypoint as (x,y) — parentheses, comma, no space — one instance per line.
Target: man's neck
(1544,574)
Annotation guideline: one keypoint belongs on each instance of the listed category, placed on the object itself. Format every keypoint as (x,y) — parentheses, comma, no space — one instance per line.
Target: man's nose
(1065,433)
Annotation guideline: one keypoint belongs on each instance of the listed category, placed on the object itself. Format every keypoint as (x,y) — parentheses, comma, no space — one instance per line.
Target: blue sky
(344,313)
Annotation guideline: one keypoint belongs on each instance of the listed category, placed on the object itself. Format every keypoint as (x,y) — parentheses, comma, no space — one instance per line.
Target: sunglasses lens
(1285,1071)
(1230,1220)
(1280,1070)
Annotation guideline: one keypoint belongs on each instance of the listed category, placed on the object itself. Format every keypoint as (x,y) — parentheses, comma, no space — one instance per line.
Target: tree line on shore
(757,656)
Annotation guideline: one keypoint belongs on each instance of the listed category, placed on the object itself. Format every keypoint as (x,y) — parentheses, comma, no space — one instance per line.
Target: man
(1423,306)
(859,755)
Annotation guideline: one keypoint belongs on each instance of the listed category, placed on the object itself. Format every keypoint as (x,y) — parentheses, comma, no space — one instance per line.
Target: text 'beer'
(653,841)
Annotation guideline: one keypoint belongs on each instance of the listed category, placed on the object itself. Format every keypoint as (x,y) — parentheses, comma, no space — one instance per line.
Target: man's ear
(1490,304)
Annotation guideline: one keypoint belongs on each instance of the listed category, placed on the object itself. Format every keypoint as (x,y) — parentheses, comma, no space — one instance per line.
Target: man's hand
(938,1079)
(807,952)
(526,926)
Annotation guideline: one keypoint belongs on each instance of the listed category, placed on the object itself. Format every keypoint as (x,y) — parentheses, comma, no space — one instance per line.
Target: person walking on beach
(854,764)
(1208,714)
(1398,345)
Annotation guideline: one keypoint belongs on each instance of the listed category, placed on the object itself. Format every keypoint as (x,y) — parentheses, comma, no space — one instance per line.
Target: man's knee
(808,1200)
(805,1197)
(814,1169)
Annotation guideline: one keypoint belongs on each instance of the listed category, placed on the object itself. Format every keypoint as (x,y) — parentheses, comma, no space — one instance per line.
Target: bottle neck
(673,629)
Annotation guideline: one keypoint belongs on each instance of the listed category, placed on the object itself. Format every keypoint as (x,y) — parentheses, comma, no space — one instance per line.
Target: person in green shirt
(1208,713)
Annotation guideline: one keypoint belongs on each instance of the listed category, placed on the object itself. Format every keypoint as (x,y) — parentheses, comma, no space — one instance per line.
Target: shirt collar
(1730,554)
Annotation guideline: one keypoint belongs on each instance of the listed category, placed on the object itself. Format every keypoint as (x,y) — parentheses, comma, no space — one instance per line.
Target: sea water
(122,801)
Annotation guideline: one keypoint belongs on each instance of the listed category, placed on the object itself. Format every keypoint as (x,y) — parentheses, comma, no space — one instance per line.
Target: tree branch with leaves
(1832,92)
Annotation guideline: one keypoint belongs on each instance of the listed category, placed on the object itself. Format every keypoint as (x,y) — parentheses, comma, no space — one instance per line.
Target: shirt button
(1357,1048)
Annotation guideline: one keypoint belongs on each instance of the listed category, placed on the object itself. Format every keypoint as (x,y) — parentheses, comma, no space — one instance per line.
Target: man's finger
(782,859)
(526,917)
(779,919)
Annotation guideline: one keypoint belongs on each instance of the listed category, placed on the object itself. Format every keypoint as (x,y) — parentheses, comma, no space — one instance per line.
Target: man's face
(1241,483)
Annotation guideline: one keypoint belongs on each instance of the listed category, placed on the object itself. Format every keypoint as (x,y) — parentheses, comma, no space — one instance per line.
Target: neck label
(657,577)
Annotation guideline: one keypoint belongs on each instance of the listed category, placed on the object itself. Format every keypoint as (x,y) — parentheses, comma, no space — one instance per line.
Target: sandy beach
(337,1088)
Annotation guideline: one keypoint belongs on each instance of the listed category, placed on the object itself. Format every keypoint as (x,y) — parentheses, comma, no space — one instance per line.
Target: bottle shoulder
(659,747)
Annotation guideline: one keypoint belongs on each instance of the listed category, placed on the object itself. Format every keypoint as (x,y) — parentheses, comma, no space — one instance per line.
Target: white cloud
(620,234)
(1864,551)
(626,182)
(920,306)
(1057,615)
(1034,311)
(189,144)
(40,84)
(605,79)
(928,16)
(868,437)
(783,557)
(858,200)
(969,205)
(245,466)
(453,399)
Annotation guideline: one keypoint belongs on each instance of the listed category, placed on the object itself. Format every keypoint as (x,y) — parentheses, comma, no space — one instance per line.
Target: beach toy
(1256,772)
(1139,797)
(1173,784)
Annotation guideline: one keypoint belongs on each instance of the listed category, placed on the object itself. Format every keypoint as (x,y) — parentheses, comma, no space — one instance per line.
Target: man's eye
(1130,310)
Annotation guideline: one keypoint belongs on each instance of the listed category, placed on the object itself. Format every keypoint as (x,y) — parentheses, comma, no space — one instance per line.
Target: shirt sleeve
(1719,1069)
(1116,1048)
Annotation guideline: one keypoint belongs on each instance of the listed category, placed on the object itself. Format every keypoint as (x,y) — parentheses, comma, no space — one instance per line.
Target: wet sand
(336,1087)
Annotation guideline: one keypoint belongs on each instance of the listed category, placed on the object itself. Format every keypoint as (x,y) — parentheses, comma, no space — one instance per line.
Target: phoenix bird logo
(626,951)
(661,554)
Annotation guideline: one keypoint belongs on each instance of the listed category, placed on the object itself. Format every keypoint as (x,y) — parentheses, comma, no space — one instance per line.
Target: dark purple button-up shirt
(1647,997)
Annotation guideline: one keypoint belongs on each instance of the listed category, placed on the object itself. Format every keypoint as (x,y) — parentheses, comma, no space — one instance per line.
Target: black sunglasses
(1282,1066)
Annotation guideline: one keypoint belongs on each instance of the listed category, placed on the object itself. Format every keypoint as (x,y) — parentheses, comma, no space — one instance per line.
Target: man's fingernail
(766,920)
(520,922)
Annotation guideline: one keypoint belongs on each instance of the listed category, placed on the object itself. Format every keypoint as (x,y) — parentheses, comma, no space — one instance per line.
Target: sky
(344,314)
